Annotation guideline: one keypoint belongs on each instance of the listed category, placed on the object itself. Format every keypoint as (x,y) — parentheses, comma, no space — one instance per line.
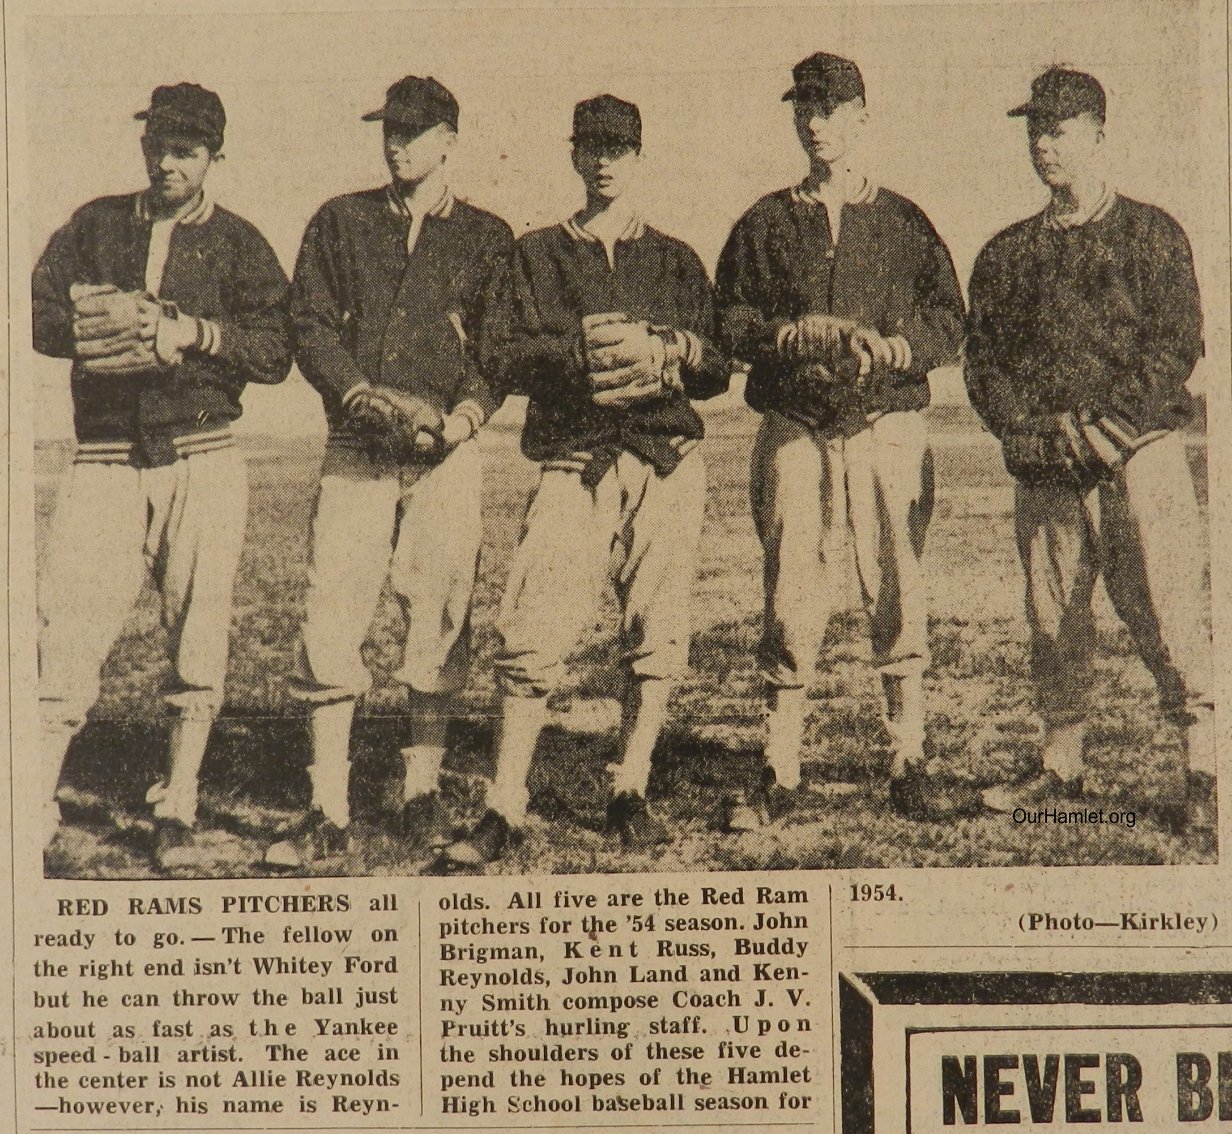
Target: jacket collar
(198,214)
(863,194)
(634,230)
(442,207)
(1060,222)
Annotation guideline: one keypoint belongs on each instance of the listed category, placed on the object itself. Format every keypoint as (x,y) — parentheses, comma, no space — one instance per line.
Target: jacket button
(392,356)
(400,312)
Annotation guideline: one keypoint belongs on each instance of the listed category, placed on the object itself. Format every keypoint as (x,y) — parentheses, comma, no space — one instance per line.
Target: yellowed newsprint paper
(616,567)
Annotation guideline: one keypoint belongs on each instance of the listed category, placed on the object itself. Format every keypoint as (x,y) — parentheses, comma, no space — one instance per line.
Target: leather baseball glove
(1111,439)
(627,362)
(114,331)
(395,425)
(826,355)
(1074,446)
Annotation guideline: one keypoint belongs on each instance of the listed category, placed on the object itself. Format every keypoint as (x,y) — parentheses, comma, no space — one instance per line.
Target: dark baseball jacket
(1102,317)
(561,274)
(366,311)
(889,271)
(219,268)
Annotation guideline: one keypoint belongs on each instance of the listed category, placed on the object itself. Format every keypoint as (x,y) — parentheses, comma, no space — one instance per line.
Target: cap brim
(605,140)
(1024,111)
(415,126)
(827,97)
(806,92)
(173,124)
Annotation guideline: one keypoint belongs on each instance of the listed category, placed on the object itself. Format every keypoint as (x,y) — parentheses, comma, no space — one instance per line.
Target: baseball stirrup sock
(903,697)
(642,716)
(330,770)
(190,734)
(785,734)
(422,757)
(1063,749)
(522,720)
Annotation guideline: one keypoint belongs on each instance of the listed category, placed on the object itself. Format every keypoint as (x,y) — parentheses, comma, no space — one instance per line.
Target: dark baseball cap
(607,119)
(1060,93)
(186,108)
(417,105)
(825,78)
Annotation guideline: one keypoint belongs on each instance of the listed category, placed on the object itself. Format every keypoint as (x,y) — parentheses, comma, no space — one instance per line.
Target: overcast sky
(708,80)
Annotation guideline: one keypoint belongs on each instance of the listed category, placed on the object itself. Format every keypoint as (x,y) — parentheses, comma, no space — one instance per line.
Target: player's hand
(1077,447)
(175,335)
(870,350)
(455,429)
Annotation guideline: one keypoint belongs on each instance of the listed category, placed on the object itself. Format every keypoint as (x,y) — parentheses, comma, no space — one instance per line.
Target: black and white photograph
(561,440)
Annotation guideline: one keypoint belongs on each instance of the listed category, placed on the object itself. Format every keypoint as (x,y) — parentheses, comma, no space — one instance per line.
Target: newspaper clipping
(625,566)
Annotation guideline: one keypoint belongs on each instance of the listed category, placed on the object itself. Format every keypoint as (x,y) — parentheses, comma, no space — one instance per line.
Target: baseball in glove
(395,425)
(114,331)
(627,361)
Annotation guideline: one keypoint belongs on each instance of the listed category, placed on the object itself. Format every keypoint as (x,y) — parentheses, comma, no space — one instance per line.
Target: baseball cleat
(639,829)
(933,798)
(314,839)
(157,792)
(1203,802)
(759,806)
(488,842)
(776,799)
(423,821)
(1043,788)
(1194,808)
(174,846)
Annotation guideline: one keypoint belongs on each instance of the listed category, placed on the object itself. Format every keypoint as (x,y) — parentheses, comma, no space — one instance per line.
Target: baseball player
(393,302)
(612,337)
(168,306)
(1085,325)
(841,297)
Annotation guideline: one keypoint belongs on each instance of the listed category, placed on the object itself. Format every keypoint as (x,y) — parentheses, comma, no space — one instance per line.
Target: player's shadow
(109,767)
(252,770)
(570,781)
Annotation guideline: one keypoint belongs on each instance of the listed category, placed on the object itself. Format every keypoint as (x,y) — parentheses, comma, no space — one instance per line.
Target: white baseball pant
(807,492)
(1143,532)
(421,527)
(636,528)
(180,524)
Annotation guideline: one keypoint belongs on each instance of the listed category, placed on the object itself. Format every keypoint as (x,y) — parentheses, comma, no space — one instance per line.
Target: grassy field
(981,724)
